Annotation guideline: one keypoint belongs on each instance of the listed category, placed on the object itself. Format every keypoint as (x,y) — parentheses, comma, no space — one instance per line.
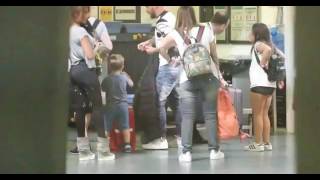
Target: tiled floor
(280,160)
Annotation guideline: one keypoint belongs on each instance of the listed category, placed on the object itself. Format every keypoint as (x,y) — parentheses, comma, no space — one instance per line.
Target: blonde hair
(116,62)
(186,19)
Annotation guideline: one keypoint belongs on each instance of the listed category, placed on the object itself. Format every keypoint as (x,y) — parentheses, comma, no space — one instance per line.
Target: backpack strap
(200,33)
(95,24)
(257,58)
(91,29)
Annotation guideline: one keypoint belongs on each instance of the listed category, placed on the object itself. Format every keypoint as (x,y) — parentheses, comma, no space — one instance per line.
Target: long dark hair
(186,19)
(261,32)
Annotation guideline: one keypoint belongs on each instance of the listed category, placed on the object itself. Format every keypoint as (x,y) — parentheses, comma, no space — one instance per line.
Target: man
(218,24)
(167,76)
(103,38)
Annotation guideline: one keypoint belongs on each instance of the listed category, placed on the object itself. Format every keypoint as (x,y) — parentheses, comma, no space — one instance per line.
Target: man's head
(155,11)
(220,21)
(116,62)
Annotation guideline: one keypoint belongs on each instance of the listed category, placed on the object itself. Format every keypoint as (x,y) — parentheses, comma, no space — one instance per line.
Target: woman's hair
(261,32)
(116,62)
(186,19)
(220,18)
(78,10)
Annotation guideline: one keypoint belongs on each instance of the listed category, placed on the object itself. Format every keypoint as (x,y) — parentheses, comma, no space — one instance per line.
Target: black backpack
(276,68)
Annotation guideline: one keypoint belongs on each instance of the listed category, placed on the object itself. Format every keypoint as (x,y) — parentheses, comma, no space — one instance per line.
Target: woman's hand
(281,84)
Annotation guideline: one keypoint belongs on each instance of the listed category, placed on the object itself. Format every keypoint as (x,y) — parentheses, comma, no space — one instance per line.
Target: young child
(115,86)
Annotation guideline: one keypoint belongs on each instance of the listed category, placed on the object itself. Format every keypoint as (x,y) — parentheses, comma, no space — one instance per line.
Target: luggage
(116,138)
(228,126)
(145,103)
(237,101)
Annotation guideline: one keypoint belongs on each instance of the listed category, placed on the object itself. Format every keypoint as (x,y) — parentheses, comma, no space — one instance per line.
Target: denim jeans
(118,113)
(87,81)
(167,80)
(199,93)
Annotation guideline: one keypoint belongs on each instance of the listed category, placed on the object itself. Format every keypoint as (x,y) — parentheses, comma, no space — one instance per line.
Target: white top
(258,77)
(210,26)
(206,40)
(102,32)
(166,28)
(77,33)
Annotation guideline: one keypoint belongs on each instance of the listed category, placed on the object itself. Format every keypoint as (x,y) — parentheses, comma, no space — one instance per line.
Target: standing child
(115,86)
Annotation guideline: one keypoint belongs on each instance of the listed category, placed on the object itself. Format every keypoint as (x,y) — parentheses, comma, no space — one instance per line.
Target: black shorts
(263,90)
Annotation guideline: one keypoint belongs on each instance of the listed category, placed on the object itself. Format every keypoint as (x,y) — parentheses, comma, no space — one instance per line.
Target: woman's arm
(105,38)
(87,48)
(265,52)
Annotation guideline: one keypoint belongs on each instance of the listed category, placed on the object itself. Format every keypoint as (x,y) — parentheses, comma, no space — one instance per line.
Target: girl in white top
(261,88)
(194,93)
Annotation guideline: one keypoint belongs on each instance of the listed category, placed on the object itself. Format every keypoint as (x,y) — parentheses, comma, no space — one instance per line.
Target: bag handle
(200,33)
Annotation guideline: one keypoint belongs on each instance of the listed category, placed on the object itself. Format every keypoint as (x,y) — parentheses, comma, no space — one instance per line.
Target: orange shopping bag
(228,126)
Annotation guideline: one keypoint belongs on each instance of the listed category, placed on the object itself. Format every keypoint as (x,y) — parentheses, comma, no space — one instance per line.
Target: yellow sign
(106,13)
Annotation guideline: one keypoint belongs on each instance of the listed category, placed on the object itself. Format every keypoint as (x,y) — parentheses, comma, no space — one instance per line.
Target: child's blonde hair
(116,62)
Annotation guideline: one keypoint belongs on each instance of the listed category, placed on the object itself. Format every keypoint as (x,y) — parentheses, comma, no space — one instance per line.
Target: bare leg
(266,121)
(126,136)
(257,102)
(88,120)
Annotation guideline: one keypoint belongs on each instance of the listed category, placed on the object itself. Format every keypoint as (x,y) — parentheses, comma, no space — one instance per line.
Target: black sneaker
(127,148)
(74,150)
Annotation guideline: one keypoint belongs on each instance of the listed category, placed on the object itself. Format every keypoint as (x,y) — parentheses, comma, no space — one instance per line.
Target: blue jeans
(199,94)
(167,80)
(120,114)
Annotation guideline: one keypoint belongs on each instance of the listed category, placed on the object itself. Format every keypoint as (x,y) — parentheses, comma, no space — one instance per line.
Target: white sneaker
(157,144)
(106,156)
(86,155)
(185,157)
(268,147)
(254,147)
(216,155)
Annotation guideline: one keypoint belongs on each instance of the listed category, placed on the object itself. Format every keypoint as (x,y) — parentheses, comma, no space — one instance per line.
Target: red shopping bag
(228,126)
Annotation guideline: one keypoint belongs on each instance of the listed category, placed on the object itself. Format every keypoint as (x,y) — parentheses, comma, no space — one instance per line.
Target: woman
(83,75)
(261,88)
(196,92)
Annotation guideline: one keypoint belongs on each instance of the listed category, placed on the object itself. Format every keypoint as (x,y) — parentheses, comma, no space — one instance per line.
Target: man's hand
(224,83)
(150,49)
(141,46)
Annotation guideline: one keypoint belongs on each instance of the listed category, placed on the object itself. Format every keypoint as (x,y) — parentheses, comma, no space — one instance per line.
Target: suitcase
(237,100)
(116,138)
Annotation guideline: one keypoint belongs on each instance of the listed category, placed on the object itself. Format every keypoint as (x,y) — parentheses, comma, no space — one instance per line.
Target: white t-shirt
(77,33)
(206,40)
(102,32)
(258,77)
(210,26)
(165,27)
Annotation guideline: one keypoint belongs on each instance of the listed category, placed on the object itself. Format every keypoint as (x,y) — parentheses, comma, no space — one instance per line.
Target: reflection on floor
(280,160)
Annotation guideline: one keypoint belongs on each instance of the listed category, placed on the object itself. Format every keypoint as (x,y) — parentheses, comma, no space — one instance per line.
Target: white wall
(289,19)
